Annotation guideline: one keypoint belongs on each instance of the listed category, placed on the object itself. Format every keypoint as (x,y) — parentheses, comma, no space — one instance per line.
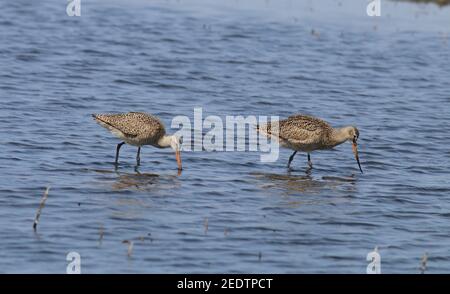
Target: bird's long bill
(178,156)
(355,151)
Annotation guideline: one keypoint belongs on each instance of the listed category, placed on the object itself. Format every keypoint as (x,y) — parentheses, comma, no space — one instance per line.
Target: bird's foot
(290,170)
(309,169)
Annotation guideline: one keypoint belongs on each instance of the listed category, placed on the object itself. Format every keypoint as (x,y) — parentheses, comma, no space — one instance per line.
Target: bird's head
(175,144)
(352,134)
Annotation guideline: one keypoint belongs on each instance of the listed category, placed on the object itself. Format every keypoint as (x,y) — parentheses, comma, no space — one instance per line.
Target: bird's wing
(300,129)
(115,124)
(149,126)
(132,124)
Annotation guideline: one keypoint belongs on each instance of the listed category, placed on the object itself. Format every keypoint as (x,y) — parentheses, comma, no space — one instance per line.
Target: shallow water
(227,211)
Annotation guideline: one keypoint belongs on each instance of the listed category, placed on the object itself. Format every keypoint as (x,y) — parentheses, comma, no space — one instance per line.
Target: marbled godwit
(138,129)
(306,133)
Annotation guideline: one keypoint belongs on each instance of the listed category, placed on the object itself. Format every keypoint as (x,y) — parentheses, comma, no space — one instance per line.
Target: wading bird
(138,129)
(307,134)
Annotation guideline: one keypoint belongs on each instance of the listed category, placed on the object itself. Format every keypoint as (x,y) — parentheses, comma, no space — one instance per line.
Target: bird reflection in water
(138,181)
(135,205)
(141,181)
(306,186)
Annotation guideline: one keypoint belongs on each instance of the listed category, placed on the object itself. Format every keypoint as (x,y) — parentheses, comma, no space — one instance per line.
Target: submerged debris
(423,266)
(315,33)
(145,237)
(130,247)
(206,225)
(101,232)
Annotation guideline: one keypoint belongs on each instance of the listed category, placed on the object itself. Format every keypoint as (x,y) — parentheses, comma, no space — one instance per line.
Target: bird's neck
(338,136)
(165,141)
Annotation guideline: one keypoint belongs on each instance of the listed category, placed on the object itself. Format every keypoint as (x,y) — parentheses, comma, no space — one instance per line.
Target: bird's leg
(309,161)
(138,156)
(291,158)
(117,151)
(136,169)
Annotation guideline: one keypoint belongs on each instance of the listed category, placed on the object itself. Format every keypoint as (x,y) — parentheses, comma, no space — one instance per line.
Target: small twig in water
(206,225)
(102,232)
(130,247)
(423,266)
(41,206)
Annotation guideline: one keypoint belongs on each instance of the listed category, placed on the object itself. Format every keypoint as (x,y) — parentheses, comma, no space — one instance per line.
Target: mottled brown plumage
(138,129)
(302,133)
(135,128)
(307,133)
